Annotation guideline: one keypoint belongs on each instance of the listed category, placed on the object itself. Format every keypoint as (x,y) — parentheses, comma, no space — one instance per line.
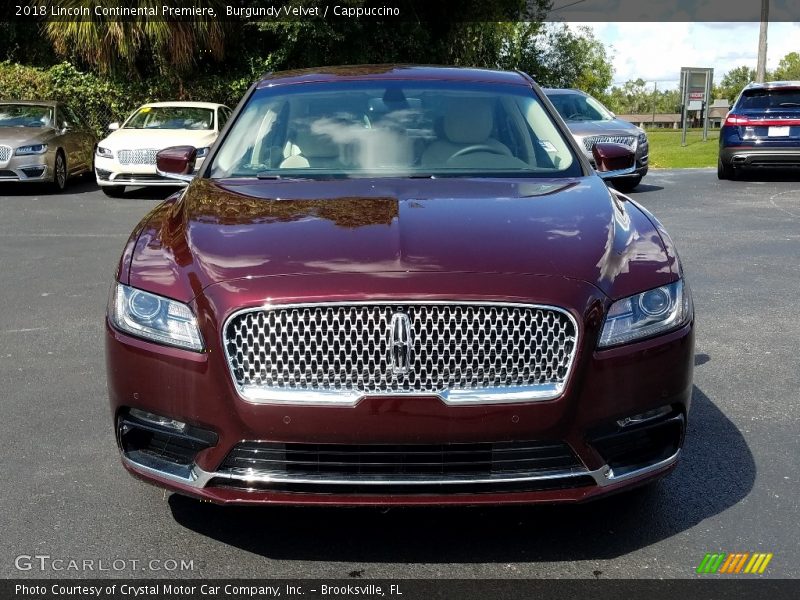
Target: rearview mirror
(612,160)
(177,162)
(113,126)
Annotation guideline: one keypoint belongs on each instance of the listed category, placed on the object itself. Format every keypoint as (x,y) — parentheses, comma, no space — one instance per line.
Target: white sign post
(695,96)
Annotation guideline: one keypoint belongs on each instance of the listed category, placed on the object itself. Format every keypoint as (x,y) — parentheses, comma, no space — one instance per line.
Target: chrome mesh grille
(347,348)
(137,157)
(625,140)
(5,153)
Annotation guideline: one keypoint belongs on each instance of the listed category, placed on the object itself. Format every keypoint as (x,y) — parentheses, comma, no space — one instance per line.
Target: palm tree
(112,43)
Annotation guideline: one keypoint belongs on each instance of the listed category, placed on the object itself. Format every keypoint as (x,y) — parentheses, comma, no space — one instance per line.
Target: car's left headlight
(154,318)
(203,152)
(32,149)
(647,314)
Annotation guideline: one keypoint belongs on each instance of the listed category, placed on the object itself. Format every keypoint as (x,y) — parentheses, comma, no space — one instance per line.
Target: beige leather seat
(467,122)
(316,151)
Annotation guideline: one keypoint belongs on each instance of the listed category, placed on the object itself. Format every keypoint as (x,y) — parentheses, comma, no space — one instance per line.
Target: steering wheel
(575,117)
(481,148)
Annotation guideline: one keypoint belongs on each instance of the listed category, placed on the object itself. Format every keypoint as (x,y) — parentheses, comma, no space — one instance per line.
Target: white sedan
(128,155)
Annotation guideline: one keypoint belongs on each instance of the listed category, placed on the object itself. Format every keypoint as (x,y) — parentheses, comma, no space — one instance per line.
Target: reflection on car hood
(20,136)
(158,138)
(613,127)
(389,228)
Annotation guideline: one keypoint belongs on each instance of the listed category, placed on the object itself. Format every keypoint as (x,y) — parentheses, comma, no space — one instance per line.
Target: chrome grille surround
(464,353)
(137,157)
(625,140)
(5,154)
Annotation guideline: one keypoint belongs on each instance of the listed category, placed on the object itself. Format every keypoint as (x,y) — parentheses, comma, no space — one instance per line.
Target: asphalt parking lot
(65,494)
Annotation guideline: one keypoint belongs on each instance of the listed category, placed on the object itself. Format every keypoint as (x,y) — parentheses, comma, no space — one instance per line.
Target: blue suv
(762,130)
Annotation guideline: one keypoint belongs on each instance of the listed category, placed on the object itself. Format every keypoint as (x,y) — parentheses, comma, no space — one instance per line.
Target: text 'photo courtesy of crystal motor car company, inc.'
(397,285)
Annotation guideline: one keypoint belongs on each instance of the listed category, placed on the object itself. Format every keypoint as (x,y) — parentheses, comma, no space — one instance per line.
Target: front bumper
(639,168)
(30,168)
(605,387)
(109,172)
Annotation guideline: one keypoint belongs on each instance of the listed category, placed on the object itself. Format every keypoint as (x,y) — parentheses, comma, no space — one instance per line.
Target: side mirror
(613,159)
(177,162)
(113,126)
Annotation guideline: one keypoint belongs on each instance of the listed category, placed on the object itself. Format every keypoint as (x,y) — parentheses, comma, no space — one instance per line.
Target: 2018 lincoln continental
(398,285)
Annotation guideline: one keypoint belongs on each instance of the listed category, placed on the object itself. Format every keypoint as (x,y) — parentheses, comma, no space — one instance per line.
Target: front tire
(113,191)
(724,170)
(59,172)
(627,184)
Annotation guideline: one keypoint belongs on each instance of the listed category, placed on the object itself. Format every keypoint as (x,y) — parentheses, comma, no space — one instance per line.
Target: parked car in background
(128,155)
(43,142)
(762,130)
(590,122)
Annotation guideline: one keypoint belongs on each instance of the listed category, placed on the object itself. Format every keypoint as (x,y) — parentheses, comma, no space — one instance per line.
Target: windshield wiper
(789,104)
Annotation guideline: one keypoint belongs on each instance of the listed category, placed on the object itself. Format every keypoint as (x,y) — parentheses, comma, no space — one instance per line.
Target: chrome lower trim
(21,176)
(185,179)
(510,395)
(196,477)
(618,173)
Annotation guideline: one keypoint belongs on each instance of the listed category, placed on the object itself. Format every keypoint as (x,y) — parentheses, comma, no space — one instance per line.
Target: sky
(656,52)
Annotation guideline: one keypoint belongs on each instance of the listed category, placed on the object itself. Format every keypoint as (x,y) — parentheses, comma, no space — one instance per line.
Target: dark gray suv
(590,122)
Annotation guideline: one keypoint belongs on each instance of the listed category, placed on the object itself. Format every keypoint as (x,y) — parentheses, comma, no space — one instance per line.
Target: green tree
(788,68)
(136,45)
(557,56)
(734,81)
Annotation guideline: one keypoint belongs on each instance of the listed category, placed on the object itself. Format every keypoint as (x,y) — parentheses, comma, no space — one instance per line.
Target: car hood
(18,136)
(613,127)
(158,138)
(390,228)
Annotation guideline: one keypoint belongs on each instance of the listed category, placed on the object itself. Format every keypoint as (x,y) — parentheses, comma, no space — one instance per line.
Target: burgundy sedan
(398,285)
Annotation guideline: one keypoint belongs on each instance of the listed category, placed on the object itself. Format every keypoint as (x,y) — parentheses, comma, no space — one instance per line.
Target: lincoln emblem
(400,343)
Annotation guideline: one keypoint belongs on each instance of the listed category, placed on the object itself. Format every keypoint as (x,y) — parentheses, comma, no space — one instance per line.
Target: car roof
(392,72)
(771,85)
(550,91)
(183,104)
(50,103)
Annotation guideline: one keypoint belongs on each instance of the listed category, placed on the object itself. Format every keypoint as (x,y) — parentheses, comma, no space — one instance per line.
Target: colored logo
(737,562)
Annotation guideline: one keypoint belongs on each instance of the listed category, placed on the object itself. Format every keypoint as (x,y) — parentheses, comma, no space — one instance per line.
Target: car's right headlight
(647,314)
(32,149)
(104,152)
(154,318)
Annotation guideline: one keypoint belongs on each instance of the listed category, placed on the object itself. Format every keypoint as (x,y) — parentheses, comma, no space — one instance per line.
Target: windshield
(171,117)
(25,115)
(577,107)
(767,99)
(393,129)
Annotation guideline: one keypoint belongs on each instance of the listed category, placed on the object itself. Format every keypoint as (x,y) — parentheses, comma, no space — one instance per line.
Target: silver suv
(590,122)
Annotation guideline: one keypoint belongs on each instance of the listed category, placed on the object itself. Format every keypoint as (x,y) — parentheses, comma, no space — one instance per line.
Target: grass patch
(666,151)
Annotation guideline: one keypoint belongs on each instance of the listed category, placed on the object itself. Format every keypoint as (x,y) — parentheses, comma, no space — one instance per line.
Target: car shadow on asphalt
(85,185)
(643,188)
(717,471)
(149,193)
(768,175)
(78,185)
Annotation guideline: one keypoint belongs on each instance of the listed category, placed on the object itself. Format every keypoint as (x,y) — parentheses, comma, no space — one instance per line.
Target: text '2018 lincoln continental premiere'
(398,285)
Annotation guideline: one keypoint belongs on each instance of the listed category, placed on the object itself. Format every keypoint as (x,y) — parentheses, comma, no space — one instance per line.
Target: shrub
(102,100)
